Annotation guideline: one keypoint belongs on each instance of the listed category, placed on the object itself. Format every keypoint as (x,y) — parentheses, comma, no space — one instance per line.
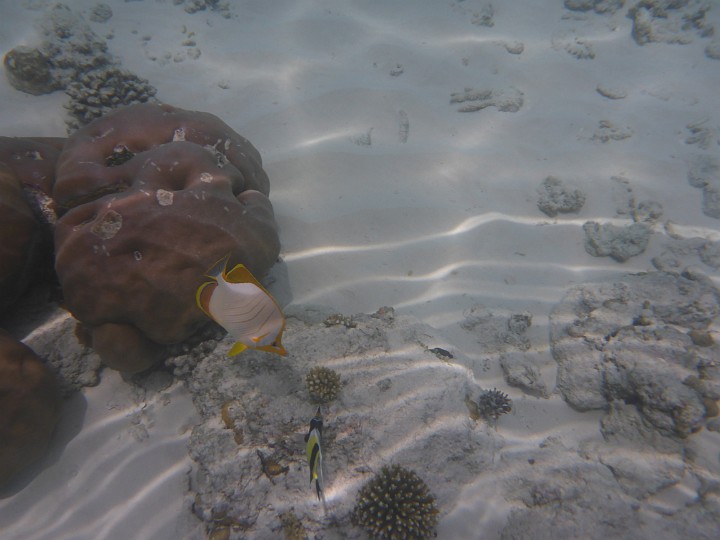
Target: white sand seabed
(433,225)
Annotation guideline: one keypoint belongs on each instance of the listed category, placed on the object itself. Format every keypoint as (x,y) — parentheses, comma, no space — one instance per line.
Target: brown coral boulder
(91,164)
(27,172)
(30,404)
(148,219)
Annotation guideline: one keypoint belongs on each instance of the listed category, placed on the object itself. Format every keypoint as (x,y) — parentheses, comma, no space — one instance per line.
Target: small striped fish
(314,453)
(237,302)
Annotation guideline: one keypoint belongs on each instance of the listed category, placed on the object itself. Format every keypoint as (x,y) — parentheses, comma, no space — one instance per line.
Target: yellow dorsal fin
(240,274)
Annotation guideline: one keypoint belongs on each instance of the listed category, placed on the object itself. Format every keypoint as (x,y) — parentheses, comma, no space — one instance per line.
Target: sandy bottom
(388,195)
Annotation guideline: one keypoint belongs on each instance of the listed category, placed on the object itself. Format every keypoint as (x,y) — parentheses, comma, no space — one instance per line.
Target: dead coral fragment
(396,504)
(493,403)
(292,526)
(323,384)
(337,320)
(270,466)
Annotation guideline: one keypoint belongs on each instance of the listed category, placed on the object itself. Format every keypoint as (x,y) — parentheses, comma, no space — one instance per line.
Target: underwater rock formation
(28,70)
(704,173)
(641,339)
(30,404)
(71,57)
(620,243)
(669,21)
(599,6)
(555,197)
(153,196)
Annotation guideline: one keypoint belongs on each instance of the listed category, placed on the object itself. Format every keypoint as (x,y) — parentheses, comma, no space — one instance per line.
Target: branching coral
(323,384)
(396,505)
(493,403)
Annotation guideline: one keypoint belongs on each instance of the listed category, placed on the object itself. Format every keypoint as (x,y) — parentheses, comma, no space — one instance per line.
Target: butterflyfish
(237,302)
(314,453)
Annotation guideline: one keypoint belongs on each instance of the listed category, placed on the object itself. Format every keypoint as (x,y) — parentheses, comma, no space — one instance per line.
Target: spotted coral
(396,504)
(323,384)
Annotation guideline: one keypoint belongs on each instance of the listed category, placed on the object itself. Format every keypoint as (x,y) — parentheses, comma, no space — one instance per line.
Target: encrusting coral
(323,384)
(396,505)
(150,197)
(30,404)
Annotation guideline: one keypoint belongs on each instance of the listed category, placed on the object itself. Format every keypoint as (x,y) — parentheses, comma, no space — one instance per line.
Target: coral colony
(323,384)
(492,404)
(396,505)
(114,224)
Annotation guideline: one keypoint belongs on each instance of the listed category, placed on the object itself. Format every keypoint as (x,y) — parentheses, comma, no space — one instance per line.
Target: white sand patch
(387,195)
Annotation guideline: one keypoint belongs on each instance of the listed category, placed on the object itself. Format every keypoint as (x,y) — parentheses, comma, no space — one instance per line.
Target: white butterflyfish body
(237,302)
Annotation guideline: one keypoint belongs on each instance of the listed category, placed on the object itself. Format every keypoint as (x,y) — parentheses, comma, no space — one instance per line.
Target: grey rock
(628,340)
(611,93)
(648,211)
(599,6)
(498,333)
(669,21)
(523,371)
(710,254)
(28,70)
(555,197)
(101,13)
(712,50)
(508,100)
(648,367)
(704,173)
(620,243)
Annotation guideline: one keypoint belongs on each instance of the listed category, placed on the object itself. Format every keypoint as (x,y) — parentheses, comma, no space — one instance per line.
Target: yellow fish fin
(203,294)
(218,268)
(274,348)
(237,349)
(240,274)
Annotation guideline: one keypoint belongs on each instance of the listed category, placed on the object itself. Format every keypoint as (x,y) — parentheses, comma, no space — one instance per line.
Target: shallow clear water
(386,193)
